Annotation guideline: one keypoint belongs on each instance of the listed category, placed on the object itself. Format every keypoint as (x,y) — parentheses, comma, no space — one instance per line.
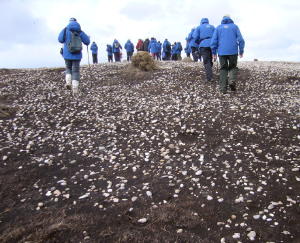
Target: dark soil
(130,132)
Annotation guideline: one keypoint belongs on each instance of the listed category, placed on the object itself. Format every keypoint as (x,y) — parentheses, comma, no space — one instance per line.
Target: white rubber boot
(68,81)
(75,87)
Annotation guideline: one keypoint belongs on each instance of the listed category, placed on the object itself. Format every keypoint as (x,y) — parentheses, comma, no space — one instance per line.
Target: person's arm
(214,44)
(241,42)
(85,39)
(62,36)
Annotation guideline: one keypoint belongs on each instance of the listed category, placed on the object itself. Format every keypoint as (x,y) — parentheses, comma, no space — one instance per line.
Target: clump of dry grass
(187,59)
(143,61)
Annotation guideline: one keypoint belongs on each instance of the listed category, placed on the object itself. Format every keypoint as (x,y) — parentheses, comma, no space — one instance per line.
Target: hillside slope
(150,157)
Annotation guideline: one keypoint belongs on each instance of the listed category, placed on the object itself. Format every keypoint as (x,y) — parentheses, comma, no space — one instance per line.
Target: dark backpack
(75,43)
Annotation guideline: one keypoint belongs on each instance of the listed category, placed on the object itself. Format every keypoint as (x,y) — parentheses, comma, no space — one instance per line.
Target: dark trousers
(167,56)
(188,54)
(129,55)
(206,55)
(228,65)
(117,56)
(72,67)
(95,58)
(195,54)
(110,58)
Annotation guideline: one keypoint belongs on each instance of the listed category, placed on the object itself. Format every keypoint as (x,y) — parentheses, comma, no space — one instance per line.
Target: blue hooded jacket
(203,33)
(116,46)
(159,46)
(192,40)
(227,39)
(153,47)
(65,37)
(109,50)
(94,48)
(165,45)
(129,47)
(177,48)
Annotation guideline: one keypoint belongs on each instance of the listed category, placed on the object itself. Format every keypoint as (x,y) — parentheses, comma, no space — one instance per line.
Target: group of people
(204,42)
(159,51)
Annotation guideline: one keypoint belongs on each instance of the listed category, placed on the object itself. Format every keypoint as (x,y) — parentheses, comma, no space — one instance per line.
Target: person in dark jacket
(72,60)
(109,53)
(129,47)
(166,50)
(146,45)
(116,49)
(204,33)
(228,43)
(94,49)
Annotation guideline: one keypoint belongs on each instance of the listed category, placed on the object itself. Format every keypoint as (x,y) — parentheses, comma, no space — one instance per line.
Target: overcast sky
(29,28)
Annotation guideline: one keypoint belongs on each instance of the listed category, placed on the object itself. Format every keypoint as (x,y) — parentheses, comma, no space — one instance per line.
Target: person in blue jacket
(228,43)
(187,49)
(174,52)
(203,33)
(72,60)
(129,47)
(116,49)
(178,50)
(166,50)
(194,45)
(153,48)
(109,53)
(159,47)
(94,49)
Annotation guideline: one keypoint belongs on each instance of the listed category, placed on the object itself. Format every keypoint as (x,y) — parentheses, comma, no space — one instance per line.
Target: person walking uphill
(228,41)
(109,53)
(129,47)
(204,33)
(116,49)
(94,49)
(72,37)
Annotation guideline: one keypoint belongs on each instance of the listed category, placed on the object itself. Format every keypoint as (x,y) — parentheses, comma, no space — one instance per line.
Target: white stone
(236,236)
(142,221)
(251,235)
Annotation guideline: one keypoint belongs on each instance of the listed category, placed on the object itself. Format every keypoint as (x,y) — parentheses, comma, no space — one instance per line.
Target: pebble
(142,220)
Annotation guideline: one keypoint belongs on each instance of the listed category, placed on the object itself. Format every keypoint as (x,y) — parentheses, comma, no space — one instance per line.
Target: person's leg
(232,68)
(128,58)
(207,60)
(94,58)
(223,73)
(75,76)
(68,74)
(195,54)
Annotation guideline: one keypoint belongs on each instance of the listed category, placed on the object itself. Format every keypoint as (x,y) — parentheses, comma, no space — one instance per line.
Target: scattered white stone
(142,221)
(179,231)
(49,193)
(236,236)
(84,196)
(199,172)
(4,157)
(209,198)
(149,194)
(251,235)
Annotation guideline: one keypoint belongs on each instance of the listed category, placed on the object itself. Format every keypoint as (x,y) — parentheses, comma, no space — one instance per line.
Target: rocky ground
(150,157)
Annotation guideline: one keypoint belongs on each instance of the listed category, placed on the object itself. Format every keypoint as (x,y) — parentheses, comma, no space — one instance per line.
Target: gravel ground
(150,157)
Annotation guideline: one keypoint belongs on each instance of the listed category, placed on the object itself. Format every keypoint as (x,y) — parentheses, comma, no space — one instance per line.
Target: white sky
(29,28)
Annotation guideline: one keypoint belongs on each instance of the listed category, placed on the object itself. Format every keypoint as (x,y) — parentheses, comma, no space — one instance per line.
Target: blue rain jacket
(65,36)
(129,47)
(203,33)
(94,48)
(116,47)
(192,40)
(153,46)
(227,39)
(165,45)
(109,50)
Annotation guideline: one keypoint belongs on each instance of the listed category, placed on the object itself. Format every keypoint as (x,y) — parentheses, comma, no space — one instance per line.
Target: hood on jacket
(227,20)
(74,26)
(204,21)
